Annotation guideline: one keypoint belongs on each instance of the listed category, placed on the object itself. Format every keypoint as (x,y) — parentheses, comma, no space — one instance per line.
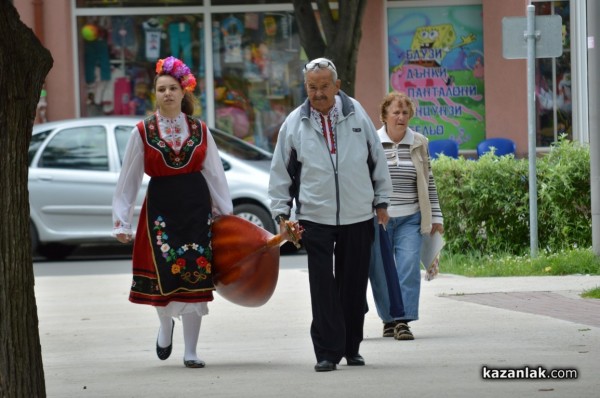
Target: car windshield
(36,142)
(238,148)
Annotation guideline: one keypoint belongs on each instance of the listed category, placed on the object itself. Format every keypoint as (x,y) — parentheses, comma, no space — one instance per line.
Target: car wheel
(55,251)
(256,215)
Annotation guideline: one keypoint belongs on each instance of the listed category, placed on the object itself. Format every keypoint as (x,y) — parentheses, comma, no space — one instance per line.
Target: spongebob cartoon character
(430,44)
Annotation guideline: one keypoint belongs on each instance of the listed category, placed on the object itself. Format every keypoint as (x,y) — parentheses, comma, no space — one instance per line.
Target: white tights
(191,330)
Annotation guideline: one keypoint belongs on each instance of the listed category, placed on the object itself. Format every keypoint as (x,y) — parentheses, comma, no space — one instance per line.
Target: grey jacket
(303,170)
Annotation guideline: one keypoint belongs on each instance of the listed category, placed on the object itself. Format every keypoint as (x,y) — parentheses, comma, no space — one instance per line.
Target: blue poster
(436,57)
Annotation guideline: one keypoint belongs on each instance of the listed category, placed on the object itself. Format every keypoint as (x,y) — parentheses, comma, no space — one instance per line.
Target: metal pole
(531,38)
(593,36)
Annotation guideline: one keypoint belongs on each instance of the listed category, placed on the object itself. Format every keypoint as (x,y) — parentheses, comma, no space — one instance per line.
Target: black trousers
(338,270)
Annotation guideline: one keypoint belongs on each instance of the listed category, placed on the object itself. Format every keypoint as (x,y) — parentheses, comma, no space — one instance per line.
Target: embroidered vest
(148,128)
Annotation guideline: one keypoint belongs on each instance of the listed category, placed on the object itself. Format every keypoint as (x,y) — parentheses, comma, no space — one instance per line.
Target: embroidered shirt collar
(173,131)
(333,113)
(164,119)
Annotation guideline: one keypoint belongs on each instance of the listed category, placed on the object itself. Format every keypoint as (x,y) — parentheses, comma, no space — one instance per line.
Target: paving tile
(560,306)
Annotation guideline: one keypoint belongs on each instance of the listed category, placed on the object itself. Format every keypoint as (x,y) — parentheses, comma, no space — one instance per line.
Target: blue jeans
(405,236)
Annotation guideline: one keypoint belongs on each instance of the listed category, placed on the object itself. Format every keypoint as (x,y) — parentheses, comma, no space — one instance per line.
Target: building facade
(446,54)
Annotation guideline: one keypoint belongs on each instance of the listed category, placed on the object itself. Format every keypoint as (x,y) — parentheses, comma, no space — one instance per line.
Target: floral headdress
(174,67)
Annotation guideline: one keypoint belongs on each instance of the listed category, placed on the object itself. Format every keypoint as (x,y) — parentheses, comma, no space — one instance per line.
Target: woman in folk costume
(172,253)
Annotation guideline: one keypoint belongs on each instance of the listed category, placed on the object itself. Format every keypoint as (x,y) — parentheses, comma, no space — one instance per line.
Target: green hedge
(486,202)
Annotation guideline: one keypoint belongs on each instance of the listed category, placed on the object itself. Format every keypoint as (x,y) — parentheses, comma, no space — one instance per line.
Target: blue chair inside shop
(446,147)
(502,146)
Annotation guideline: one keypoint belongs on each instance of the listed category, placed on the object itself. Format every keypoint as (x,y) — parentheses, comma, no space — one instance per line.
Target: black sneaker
(402,332)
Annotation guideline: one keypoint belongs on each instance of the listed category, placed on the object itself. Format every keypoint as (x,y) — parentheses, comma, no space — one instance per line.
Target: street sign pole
(530,38)
(531,130)
(593,34)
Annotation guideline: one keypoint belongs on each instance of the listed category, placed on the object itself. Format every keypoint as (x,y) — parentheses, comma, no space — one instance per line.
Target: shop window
(118,55)
(257,73)
(256,63)
(553,82)
(436,57)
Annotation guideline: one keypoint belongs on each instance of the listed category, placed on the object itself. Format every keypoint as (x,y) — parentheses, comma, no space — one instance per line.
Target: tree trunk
(24,64)
(339,38)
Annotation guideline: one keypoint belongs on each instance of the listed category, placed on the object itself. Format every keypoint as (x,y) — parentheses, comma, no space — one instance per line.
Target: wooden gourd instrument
(246,259)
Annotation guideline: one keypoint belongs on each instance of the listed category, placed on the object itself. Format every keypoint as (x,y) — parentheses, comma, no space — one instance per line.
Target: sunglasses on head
(319,65)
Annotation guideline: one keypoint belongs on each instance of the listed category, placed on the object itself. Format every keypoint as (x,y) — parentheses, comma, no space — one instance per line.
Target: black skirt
(178,224)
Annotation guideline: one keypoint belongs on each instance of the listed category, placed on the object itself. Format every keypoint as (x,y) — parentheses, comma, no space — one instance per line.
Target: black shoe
(324,366)
(355,360)
(194,363)
(164,353)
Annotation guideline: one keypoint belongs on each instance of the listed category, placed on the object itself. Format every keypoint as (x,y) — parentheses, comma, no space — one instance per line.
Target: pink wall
(371,67)
(57,39)
(505,79)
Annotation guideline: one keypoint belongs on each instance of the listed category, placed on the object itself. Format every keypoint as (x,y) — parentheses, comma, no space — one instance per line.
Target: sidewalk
(97,344)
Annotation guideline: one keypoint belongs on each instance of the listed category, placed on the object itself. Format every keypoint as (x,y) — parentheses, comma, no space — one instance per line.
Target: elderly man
(329,160)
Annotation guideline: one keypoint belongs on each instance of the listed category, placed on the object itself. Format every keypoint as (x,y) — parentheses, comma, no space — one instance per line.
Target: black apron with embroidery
(177,214)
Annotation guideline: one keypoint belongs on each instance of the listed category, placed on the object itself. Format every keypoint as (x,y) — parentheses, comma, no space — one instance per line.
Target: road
(111,259)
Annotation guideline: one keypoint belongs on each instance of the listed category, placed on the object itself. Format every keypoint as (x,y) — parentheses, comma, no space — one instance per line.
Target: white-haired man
(329,160)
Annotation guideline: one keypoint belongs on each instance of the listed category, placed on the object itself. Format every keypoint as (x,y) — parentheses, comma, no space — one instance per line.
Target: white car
(73,170)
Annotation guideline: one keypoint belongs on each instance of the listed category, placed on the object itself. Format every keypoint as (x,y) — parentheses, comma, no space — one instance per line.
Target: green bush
(564,203)
(486,202)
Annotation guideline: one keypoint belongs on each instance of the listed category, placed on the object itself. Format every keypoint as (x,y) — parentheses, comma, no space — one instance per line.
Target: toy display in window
(262,58)
(153,33)
(232,115)
(270,26)
(257,60)
(140,103)
(122,95)
(95,53)
(216,39)
(232,30)
(96,67)
(180,40)
(124,44)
